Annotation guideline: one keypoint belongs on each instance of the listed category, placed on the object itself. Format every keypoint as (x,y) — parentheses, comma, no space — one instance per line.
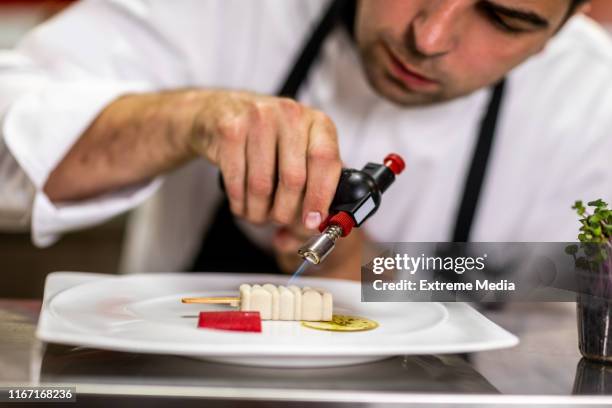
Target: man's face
(419,52)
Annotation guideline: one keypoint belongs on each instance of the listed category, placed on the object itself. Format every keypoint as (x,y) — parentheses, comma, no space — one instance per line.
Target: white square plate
(144,314)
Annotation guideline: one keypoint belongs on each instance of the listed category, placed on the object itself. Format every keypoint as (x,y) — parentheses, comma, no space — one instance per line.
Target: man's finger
(292,145)
(232,151)
(261,168)
(324,167)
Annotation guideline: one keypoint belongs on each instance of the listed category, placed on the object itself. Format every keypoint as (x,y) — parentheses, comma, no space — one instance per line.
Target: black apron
(225,248)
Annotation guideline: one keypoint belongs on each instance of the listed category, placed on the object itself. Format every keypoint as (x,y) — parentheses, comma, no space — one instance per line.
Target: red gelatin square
(233,320)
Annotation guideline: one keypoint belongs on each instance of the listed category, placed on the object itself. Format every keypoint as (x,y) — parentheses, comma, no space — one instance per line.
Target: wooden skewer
(226,300)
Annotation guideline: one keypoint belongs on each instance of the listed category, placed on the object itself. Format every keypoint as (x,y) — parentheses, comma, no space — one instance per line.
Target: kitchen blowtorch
(358,196)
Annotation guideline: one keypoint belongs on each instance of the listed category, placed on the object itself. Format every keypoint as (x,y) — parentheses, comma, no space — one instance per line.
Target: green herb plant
(595,236)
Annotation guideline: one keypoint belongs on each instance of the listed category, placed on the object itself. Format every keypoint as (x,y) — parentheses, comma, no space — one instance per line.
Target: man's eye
(501,23)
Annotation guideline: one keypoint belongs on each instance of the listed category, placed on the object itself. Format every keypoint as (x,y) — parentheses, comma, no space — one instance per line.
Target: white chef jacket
(553,143)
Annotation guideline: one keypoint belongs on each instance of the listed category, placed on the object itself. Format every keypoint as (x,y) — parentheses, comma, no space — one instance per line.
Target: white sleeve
(57,81)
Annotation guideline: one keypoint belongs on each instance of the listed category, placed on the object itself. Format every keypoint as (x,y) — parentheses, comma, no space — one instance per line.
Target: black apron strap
(475,179)
(469,202)
(310,51)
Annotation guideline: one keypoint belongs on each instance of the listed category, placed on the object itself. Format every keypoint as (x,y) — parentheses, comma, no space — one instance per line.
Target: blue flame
(298,272)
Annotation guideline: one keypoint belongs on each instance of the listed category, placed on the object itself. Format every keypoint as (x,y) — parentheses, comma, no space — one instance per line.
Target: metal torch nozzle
(318,247)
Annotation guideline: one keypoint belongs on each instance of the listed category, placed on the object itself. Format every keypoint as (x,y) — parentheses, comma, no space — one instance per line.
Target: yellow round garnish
(342,323)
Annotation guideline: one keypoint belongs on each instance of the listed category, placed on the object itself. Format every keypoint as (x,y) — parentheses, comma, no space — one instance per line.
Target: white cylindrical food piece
(275,300)
(328,306)
(312,305)
(297,308)
(261,301)
(286,302)
(245,297)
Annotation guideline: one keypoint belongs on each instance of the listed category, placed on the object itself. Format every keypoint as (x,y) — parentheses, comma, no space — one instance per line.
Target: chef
(502,110)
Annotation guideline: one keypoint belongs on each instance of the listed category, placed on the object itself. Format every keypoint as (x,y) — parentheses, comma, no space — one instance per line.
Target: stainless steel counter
(545,369)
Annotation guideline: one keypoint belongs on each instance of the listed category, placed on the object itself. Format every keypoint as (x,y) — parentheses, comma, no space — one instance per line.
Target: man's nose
(434,31)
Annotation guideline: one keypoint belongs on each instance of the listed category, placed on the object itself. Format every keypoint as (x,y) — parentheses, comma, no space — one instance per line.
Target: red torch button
(395,163)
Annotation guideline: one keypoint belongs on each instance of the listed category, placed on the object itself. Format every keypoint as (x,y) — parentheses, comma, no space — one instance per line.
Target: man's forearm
(134,139)
(279,159)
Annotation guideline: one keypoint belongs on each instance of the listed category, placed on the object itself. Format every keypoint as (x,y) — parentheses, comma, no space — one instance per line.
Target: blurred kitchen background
(22,266)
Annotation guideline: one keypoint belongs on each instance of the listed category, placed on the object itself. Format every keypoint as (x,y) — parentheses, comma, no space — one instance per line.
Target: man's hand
(279,159)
